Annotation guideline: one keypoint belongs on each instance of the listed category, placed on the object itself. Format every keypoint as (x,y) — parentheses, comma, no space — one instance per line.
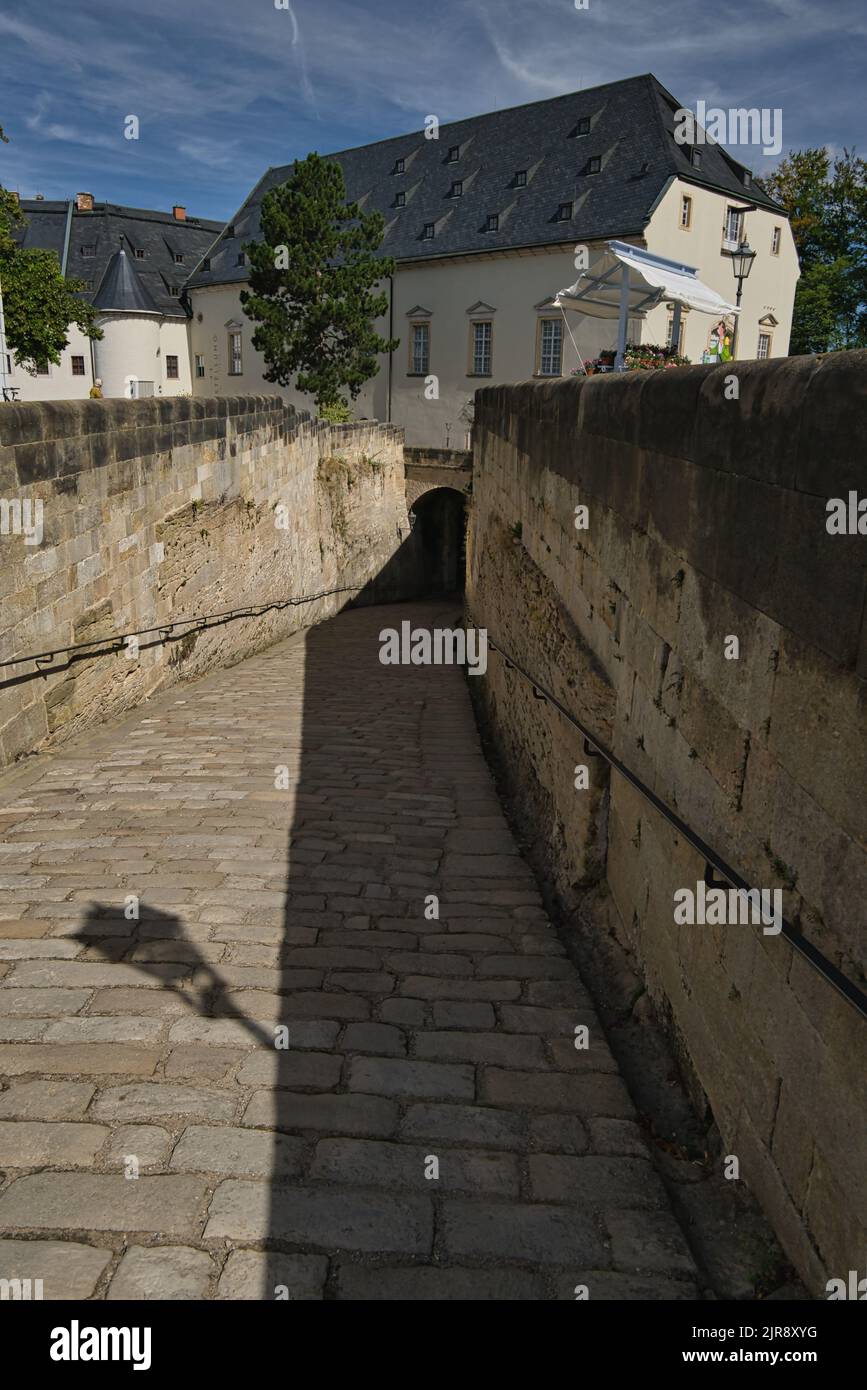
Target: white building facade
(484,224)
(133,264)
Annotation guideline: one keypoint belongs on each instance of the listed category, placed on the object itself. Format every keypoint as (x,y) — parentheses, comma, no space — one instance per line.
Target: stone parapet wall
(163,509)
(706,519)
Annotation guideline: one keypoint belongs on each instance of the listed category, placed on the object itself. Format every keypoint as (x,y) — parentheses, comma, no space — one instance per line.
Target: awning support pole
(621,325)
(675,327)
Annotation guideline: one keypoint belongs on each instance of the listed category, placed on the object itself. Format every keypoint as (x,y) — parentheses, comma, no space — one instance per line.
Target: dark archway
(438,520)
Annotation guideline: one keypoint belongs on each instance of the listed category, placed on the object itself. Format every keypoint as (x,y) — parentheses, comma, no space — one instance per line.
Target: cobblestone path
(431,1130)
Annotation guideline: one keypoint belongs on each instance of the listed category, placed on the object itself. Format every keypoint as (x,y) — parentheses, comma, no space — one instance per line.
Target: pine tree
(313,280)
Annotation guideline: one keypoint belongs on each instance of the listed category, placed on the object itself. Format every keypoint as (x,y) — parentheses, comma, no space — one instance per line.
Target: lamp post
(742,264)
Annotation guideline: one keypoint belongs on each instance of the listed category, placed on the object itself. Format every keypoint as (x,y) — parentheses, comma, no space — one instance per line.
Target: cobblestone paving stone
(147,1046)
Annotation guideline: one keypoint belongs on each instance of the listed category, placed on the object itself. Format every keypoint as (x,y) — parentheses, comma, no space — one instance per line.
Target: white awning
(652,280)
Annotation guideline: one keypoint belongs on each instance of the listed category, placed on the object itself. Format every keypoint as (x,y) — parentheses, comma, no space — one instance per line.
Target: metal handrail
(167,628)
(594,747)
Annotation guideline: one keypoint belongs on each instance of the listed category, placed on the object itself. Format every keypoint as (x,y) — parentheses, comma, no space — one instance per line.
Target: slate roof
(97,236)
(630,130)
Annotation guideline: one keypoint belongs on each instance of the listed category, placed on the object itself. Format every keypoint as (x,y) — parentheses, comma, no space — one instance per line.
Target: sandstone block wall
(706,520)
(157,510)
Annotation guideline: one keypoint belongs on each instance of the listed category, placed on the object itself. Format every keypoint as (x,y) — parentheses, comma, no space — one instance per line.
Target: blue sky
(224,88)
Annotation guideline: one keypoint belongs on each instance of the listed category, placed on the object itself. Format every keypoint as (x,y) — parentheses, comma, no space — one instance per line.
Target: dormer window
(594,164)
(89,250)
(492,222)
(230,230)
(520,178)
(457,189)
(428,231)
(240,259)
(174,291)
(400,200)
(454,154)
(139,254)
(206,263)
(583,126)
(695,158)
(399,166)
(179,260)
(564,212)
(748,178)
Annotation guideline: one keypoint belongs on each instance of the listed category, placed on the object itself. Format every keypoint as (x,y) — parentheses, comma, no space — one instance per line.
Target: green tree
(313,286)
(827,204)
(38,303)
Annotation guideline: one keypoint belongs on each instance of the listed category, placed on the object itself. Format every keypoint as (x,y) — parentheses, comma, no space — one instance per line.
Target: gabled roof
(96,237)
(629,128)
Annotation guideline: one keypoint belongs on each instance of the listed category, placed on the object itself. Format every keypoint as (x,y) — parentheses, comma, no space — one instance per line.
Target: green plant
(336,413)
(313,283)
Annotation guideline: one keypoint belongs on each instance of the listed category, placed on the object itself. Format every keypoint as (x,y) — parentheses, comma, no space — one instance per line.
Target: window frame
(595,159)
(685,206)
(769,338)
(520,180)
(776,240)
(199,361)
(454,154)
(457,188)
(568,217)
(78,357)
(472,369)
(236,333)
(542,320)
(172,357)
(428,231)
(492,222)
(412,370)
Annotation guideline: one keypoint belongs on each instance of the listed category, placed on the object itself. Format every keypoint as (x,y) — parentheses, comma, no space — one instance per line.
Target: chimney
(179,213)
(84,202)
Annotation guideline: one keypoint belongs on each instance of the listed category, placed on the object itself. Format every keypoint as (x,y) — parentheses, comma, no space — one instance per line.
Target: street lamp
(742,264)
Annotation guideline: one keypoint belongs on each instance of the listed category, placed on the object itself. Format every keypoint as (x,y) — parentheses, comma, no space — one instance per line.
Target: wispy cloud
(225,90)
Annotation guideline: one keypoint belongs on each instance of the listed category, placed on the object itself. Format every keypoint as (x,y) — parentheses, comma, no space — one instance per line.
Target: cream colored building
(133,264)
(484,223)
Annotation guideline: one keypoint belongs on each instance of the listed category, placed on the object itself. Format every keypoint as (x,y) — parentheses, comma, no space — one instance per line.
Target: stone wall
(157,510)
(706,519)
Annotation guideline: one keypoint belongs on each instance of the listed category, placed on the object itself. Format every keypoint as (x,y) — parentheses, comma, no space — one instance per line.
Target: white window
(200,365)
(550,347)
(764,348)
(419,360)
(733,227)
(685,212)
(775,242)
(483,334)
(235,360)
(669,332)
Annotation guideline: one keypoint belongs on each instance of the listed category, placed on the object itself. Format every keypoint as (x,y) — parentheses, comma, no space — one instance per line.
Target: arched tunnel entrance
(438,520)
